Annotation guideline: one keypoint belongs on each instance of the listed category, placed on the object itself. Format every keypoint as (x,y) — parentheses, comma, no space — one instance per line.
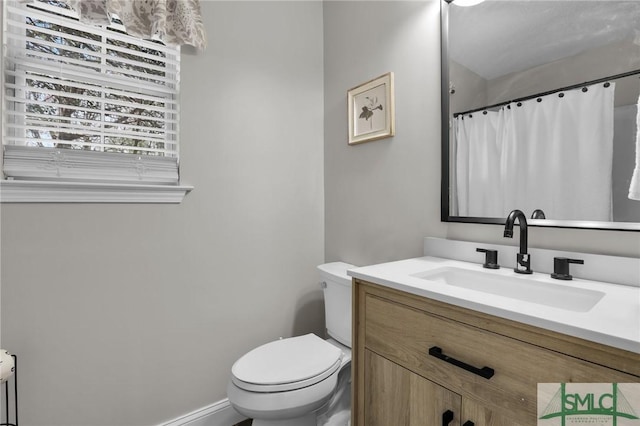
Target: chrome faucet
(523,264)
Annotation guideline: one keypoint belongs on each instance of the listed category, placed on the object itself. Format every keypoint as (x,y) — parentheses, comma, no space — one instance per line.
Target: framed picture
(371,112)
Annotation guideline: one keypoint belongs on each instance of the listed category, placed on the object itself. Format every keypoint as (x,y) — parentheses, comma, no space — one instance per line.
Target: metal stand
(15,396)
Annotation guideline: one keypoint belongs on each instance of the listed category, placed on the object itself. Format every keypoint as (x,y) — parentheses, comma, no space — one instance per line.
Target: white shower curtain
(478,171)
(554,155)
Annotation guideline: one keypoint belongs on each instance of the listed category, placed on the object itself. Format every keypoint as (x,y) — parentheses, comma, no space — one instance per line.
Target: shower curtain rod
(550,92)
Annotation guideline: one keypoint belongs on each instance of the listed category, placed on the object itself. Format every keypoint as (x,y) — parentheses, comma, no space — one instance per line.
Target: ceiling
(499,37)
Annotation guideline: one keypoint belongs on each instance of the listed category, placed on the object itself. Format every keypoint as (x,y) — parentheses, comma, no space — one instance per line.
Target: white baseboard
(220,413)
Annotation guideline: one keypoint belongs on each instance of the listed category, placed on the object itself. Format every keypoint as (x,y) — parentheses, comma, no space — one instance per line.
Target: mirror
(539,112)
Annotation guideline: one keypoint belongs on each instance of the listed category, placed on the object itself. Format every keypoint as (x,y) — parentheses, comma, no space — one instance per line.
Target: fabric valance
(173,22)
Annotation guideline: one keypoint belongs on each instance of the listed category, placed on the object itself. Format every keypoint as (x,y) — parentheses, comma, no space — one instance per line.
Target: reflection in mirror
(540,112)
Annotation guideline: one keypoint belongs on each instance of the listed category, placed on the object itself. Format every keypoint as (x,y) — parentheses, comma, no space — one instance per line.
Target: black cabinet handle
(485,372)
(468,423)
(447,416)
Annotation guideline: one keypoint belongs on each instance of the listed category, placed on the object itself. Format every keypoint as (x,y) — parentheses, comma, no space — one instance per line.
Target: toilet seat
(287,364)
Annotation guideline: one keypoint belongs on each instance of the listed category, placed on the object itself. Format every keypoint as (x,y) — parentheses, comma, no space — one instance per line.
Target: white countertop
(613,321)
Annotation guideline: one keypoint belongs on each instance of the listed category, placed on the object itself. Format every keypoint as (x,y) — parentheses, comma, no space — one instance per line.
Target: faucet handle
(538,214)
(561,267)
(490,258)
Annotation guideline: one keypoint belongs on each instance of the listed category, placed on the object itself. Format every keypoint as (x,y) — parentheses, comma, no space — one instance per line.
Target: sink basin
(516,287)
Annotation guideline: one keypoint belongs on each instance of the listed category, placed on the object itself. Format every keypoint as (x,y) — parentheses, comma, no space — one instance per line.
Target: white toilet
(303,380)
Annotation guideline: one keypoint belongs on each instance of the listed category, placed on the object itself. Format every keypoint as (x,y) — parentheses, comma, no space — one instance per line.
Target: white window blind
(86,103)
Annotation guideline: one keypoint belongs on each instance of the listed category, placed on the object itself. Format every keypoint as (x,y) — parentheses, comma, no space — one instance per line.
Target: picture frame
(371,111)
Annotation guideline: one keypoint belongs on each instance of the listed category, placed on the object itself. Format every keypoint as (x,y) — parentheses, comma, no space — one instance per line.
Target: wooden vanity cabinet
(397,396)
(420,362)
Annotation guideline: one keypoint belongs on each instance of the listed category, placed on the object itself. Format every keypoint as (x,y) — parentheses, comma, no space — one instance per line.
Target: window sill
(19,191)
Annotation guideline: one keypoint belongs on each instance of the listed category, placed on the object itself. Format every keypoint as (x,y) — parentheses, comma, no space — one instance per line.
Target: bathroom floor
(244,423)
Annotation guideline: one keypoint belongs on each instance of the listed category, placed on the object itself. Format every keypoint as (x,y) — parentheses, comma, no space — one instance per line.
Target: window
(86,104)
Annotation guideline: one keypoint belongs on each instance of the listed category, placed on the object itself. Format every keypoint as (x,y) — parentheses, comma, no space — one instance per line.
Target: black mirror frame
(445,215)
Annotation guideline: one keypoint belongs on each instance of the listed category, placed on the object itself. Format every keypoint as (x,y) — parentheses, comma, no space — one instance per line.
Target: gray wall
(134,314)
(383,197)
(470,89)
(589,65)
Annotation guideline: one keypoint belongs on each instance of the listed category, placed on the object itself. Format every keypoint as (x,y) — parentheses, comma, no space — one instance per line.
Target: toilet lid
(287,361)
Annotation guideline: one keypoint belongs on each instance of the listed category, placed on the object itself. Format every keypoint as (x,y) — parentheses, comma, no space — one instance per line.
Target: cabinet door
(395,396)
(476,414)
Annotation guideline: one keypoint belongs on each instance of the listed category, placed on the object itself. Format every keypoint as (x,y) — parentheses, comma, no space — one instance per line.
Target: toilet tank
(337,300)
